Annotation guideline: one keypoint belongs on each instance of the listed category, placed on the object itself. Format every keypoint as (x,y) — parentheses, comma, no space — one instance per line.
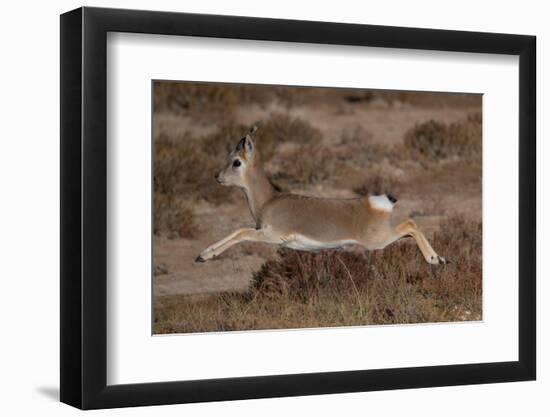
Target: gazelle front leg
(240,235)
(409,228)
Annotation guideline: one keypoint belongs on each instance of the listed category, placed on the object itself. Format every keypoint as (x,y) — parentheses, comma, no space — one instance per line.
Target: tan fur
(308,223)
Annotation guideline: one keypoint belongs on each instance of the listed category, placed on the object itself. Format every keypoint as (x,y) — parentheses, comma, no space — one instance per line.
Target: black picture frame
(84,207)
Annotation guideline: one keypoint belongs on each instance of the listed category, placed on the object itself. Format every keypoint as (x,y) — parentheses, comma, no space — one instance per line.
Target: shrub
(173,218)
(220,143)
(277,129)
(337,288)
(357,147)
(185,170)
(437,140)
(305,165)
(193,97)
(428,139)
(377,183)
(280,128)
(398,277)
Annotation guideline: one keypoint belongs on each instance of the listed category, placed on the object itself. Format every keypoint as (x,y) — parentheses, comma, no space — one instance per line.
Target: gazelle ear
(241,144)
(249,145)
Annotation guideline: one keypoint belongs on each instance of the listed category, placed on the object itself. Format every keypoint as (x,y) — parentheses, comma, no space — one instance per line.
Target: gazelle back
(308,223)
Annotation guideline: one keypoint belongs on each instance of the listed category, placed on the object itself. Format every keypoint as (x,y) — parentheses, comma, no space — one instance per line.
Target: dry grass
(306,164)
(338,288)
(195,98)
(315,162)
(378,183)
(436,140)
(184,167)
(173,218)
(430,100)
(356,147)
(281,128)
(278,129)
(330,288)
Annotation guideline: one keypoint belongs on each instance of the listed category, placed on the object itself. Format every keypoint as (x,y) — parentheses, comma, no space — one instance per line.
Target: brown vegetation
(377,184)
(219,98)
(435,159)
(335,288)
(186,167)
(173,218)
(436,140)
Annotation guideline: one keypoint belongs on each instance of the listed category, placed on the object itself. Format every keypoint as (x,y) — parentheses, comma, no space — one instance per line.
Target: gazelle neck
(258,191)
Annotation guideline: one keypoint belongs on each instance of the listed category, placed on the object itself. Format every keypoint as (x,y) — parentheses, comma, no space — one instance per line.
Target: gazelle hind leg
(409,228)
(240,235)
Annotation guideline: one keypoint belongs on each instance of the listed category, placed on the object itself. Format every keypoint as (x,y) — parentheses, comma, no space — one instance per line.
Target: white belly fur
(300,242)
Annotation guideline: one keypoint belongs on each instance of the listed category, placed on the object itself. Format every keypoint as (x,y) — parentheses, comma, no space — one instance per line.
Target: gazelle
(309,223)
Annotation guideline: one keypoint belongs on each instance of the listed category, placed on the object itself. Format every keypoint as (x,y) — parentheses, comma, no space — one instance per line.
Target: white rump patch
(381,202)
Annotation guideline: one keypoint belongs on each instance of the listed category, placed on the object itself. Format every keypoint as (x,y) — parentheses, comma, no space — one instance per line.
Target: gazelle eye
(236,163)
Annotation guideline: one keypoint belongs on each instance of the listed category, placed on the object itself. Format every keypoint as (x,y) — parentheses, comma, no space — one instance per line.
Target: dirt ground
(428,199)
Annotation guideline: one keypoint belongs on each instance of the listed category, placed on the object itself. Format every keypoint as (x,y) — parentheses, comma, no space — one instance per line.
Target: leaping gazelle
(309,223)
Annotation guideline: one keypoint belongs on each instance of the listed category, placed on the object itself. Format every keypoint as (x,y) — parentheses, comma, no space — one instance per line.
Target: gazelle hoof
(439,260)
(200,259)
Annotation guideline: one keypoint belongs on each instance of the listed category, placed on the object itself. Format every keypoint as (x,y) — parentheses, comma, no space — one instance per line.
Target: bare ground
(455,190)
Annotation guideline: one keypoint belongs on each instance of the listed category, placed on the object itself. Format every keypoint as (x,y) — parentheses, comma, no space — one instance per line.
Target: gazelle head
(241,162)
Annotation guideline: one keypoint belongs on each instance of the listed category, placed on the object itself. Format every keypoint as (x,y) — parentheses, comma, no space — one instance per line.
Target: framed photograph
(257,208)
